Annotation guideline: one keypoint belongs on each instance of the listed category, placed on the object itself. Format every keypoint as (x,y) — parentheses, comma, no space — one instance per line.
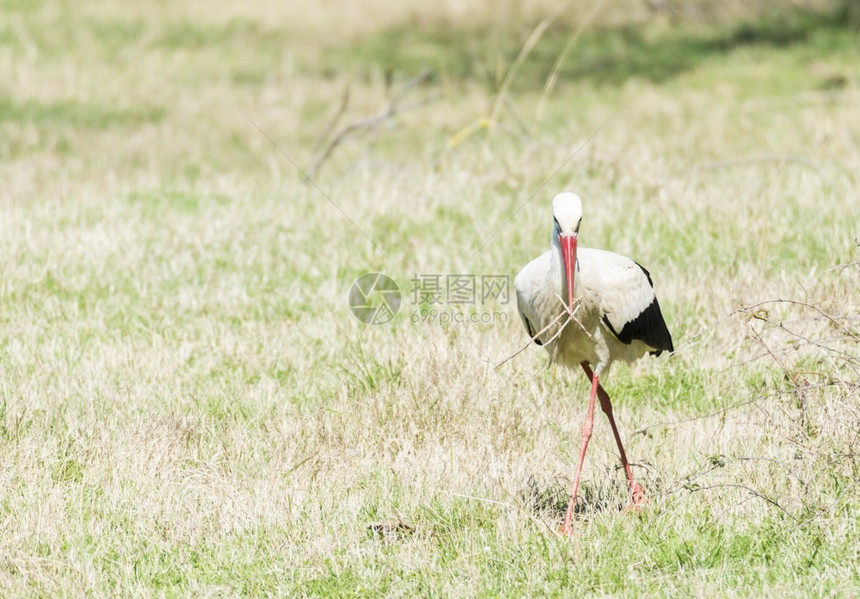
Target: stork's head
(567,214)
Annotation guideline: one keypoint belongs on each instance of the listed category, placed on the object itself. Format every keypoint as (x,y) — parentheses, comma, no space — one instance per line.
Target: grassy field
(188,407)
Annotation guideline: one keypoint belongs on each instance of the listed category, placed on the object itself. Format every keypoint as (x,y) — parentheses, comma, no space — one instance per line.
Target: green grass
(85,116)
(189,408)
(610,55)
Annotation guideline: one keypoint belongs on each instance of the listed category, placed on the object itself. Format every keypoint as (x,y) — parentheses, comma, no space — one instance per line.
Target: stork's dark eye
(557,226)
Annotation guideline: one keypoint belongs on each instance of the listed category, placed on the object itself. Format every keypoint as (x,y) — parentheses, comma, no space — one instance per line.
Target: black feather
(648,327)
(647,274)
(531,331)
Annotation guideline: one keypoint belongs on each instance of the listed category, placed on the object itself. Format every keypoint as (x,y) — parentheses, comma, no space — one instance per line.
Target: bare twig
(571,314)
(527,513)
(644,430)
(756,400)
(702,332)
(722,462)
(475,498)
(786,349)
(833,319)
(367,124)
(344,103)
(499,503)
(843,266)
(769,351)
(750,490)
(531,340)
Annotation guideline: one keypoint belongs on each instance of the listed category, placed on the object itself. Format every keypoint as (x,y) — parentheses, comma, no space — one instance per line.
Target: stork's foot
(637,499)
(567,530)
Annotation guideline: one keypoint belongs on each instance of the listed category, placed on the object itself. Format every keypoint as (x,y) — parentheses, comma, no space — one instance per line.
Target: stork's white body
(610,313)
(614,292)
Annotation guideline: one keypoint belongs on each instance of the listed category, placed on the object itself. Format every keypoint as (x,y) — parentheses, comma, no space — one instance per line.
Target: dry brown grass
(189,408)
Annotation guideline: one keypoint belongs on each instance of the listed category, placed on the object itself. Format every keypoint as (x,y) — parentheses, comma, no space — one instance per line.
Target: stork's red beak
(568,253)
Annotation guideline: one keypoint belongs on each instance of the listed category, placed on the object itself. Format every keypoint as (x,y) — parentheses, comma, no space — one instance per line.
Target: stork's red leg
(637,492)
(587,428)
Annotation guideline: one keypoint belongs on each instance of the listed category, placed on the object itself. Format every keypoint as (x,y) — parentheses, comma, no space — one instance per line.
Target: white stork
(588,308)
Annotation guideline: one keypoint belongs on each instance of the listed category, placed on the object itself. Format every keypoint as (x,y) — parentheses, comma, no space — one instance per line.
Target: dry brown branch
(756,312)
(751,491)
(783,350)
(843,266)
(753,311)
(366,124)
(675,423)
(571,314)
(758,338)
(719,462)
(530,341)
(344,104)
(831,318)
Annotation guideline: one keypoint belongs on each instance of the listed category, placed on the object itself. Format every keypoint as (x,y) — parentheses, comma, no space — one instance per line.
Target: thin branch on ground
(758,338)
(843,266)
(512,506)
(675,423)
(750,490)
(830,317)
(722,462)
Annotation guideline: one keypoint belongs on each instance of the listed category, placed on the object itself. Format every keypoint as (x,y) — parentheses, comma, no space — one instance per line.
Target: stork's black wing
(643,320)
